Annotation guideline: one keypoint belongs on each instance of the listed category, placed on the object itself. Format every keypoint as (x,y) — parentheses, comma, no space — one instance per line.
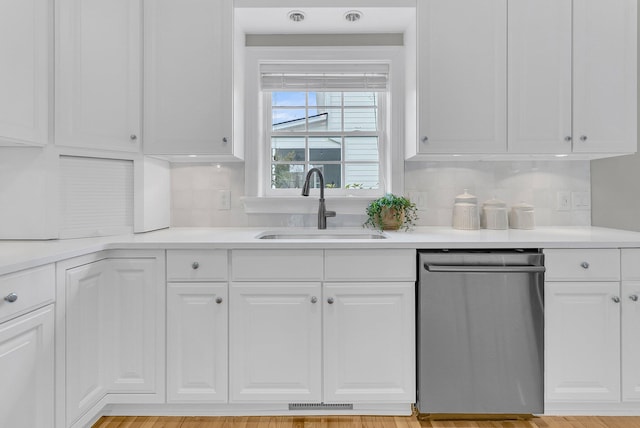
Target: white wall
(432,184)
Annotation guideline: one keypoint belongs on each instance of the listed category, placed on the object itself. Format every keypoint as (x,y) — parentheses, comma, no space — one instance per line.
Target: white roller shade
(324,77)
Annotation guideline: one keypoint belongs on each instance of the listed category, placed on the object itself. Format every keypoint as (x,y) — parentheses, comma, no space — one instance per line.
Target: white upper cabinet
(24,72)
(462,76)
(98,74)
(539,76)
(188,82)
(605,76)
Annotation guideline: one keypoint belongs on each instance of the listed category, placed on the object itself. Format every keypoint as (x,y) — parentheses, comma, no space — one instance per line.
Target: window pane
(329,99)
(332,174)
(288,99)
(288,149)
(287,176)
(360,119)
(361,149)
(325,149)
(327,119)
(360,99)
(362,176)
(288,119)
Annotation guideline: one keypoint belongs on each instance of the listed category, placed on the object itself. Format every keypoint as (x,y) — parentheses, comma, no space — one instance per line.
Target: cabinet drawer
(32,288)
(582,264)
(370,265)
(276,265)
(197,265)
(630,264)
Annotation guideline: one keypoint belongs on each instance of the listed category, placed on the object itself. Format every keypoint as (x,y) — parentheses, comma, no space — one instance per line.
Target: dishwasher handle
(491,269)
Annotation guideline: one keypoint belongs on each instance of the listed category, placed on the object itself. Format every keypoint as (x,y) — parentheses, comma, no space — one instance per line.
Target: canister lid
(494,203)
(467,198)
(522,206)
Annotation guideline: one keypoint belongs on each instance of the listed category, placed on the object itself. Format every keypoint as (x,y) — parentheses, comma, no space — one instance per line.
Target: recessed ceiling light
(353,15)
(296,16)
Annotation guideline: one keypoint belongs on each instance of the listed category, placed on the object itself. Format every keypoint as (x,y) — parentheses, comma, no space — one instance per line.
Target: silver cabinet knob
(195,265)
(133,137)
(314,299)
(616,299)
(218,300)
(330,300)
(568,138)
(584,265)
(634,297)
(425,139)
(225,140)
(12,297)
(583,138)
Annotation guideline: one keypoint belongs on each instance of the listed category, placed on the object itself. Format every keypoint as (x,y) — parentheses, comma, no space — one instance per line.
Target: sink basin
(320,234)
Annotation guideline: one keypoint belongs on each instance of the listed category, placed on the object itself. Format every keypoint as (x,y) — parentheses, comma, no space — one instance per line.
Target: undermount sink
(320,234)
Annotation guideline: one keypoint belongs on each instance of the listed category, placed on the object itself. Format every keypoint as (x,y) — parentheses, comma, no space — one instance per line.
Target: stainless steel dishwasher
(480,332)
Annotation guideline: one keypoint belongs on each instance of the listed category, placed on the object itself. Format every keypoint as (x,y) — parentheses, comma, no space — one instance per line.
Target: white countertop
(18,255)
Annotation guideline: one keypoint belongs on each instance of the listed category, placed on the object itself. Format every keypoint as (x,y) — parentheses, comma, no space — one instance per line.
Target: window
(333,121)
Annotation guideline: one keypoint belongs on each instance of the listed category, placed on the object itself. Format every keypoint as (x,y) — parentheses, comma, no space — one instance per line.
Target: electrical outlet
(224,199)
(420,199)
(580,201)
(563,201)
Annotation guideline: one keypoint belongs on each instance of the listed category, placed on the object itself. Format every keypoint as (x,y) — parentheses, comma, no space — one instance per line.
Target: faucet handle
(329,213)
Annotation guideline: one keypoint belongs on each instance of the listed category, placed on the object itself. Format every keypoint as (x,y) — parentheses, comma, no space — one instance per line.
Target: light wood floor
(359,422)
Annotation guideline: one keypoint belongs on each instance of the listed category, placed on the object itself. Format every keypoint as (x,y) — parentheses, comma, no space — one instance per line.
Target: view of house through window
(336,132)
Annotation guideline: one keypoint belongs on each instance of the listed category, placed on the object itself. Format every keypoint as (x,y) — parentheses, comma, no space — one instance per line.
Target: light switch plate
(563,201)
(224,199)
(580,201)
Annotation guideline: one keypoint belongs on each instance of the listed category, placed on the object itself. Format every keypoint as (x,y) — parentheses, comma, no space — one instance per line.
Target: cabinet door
(605,79)
(131,307)
(462,66)
(188,79)
(630,298)
(582,341)
(539,116)
(275,342)
(98,74)
(87,288)
(197,342)
(369,342)
(26,355)
(24,74)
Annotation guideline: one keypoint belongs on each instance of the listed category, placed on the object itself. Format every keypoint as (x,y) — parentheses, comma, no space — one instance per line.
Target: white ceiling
(324,20)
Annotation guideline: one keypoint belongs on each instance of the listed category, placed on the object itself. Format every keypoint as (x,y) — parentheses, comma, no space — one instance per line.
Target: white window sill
(306,205)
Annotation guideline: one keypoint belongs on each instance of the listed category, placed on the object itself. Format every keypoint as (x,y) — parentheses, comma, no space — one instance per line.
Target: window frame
(380,133)
(251,104)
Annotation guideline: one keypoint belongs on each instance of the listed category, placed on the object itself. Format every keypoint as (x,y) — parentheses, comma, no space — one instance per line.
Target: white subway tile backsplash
(194,189)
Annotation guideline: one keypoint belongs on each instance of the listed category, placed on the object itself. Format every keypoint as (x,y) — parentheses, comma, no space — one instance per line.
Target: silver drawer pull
(314,299)
(218,300)
(195,265)
(330,300)
(584,265)
(634,297)
(11,297)
(615,299)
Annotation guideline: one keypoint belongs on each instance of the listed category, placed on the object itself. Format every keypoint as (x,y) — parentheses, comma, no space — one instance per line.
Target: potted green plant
(391,212)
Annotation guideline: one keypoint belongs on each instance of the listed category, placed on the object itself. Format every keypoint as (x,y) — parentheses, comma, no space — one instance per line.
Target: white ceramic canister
(522,216)
(494,215)
(465,212)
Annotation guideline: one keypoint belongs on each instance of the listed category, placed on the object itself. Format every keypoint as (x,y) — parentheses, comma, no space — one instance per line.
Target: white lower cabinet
(26,355)
(111,327)
(582,341)
(197,330)
(275,342)
(347,342)
(369,342)
(592,326)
